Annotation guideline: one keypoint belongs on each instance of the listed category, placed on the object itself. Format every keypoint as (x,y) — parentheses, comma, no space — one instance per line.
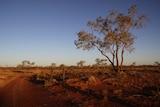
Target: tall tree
(112,35)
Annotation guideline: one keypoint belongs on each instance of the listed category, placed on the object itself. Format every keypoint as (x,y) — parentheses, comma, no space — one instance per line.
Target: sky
(44,31)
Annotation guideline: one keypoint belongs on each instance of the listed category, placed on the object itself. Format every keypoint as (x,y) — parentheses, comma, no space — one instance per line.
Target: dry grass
(100,87)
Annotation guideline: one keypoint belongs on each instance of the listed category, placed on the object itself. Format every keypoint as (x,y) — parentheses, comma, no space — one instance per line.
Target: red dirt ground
(20,92)
(137,88)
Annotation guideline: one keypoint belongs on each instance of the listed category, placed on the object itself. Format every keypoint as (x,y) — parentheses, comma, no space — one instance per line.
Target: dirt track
(20,92)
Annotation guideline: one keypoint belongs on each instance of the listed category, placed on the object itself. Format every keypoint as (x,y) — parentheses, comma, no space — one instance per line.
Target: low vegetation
(83,87)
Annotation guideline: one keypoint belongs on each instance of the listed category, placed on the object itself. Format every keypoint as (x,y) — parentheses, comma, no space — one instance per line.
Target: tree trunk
(63,75)
(117,59)
(114,68)
(51,76)
(122,58)
(113,55)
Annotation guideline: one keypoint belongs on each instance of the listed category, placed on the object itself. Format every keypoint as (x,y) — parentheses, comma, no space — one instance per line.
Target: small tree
(156,63)
(132,65)
(32,64)
(53,65)
(103,62)
(19,66)
(100,62)
(112,35)
(63,66)
(80,64)
(27,64)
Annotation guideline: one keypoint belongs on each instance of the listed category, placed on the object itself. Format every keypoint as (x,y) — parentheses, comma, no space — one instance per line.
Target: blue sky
(44,31)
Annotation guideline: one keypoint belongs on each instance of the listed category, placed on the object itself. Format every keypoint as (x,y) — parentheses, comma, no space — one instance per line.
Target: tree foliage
(80,64)
(112,35)
(101,62)
(53,65)
(27,63)
(156,63)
